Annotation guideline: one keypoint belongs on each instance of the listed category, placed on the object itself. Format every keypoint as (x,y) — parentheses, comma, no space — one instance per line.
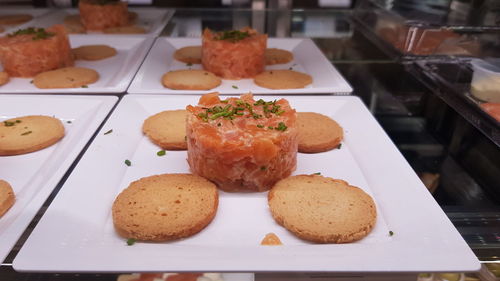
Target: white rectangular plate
(35,12)
(307,58)
(115,73)
(76,233)
(153,20)
(33,176)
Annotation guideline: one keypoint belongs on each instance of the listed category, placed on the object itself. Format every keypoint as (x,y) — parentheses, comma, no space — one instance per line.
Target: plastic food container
(485,84)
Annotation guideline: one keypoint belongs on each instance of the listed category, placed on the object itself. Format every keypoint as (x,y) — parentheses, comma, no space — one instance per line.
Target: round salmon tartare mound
(234,54)
(242,144)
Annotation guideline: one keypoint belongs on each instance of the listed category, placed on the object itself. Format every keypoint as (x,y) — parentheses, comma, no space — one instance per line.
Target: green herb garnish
(131,241)
(161,153)
(85,86)
(190,64)
(281,127)
(263,168)
(339,146)
(128,163)
(232,35)
(235,87)
(38,33)
(318,173)
(109,132)
(260,126)
(26,133)
(9,123)
(391,233)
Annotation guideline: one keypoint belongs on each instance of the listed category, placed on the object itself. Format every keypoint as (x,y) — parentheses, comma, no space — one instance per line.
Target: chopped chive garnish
(161,153)
(281,127)
(8,123)
(18,121)
(131,241)
(339,146)
(109,132)
(85,86)
(391,233)
(260,126)
(235,87)
(128,163)
(190,64)
(318,173)
(26,133)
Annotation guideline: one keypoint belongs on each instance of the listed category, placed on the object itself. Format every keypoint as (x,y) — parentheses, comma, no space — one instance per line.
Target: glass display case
(415,79)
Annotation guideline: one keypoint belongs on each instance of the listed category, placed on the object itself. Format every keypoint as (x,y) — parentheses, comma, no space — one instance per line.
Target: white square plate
(115,72)
(153,20)
(35,12)
(76,233)
(307,58)
(33,176)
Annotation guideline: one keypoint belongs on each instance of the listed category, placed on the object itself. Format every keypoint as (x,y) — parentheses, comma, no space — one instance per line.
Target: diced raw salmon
(234,58)
(96,16)
(242,144)
(25,55)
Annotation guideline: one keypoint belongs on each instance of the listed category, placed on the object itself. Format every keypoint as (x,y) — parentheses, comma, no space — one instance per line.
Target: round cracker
(93,52)
(29,133)
(4,78)
(190,79)
(277,56)
(282,79)
(167,129)
(68,77)
(317,132)
(15,19)
(165,207)
(73,24)
(132,17)
(322,209)
(7,197)
(188,54)
(130,29)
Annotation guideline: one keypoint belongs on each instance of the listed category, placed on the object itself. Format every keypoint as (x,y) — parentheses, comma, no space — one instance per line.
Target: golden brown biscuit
(4,78)
(165,207)
(130,29)
(7,197)
(132,17)
(73,24)
(282,79)
(167,129)
(29,133)
(15,19)
(277,56)
(190,79)
(322,209)
(317,132)
(93,52)
(188,54)
(68,77)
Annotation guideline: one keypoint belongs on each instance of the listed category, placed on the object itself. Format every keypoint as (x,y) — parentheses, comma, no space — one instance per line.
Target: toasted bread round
(4,78)
(67,77)
(167,129)
(7,197)
(129,29)
(93,52)
(165,207)
(188,54)
(73,24)
(317,132)
(282,79)
(322,209)
(277,56)
(29,133)
(15,19)
(190,79)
